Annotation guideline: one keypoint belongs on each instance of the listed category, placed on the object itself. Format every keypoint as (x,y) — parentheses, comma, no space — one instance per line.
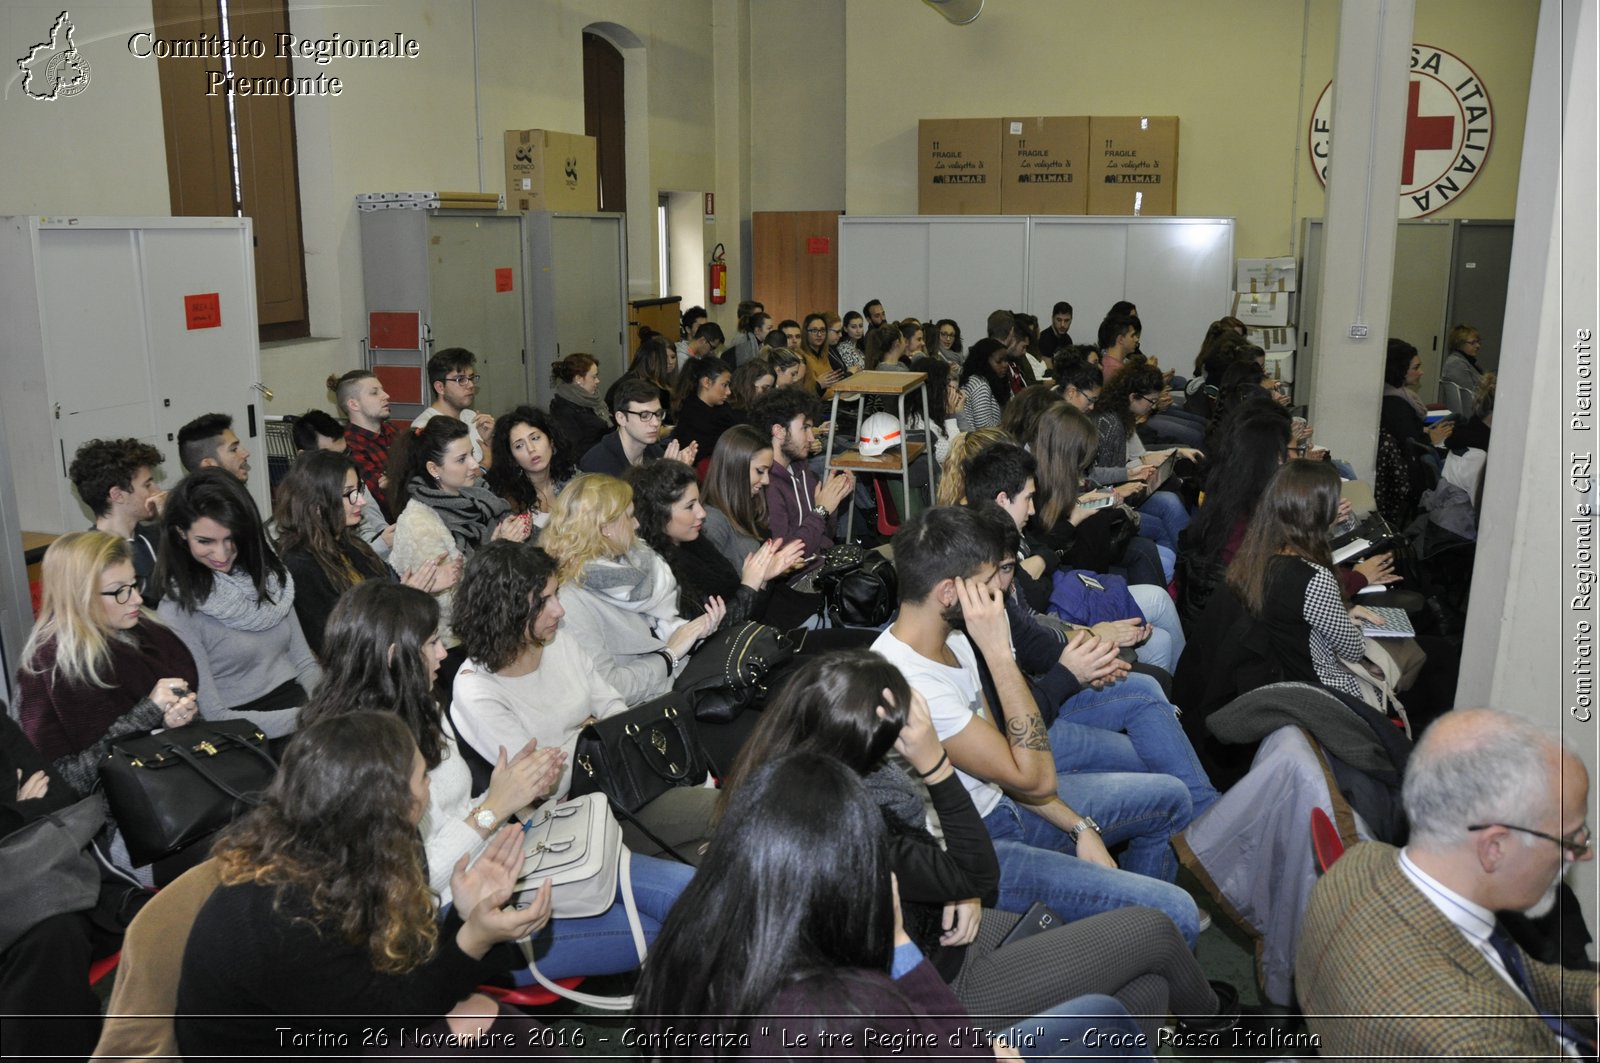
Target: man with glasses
(638,414)
(453,377)
(1401,954)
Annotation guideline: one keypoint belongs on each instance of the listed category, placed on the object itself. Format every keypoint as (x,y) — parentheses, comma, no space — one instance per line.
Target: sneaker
(1205,920)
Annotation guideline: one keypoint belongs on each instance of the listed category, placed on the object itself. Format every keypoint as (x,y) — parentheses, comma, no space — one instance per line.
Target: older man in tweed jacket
(1400,954)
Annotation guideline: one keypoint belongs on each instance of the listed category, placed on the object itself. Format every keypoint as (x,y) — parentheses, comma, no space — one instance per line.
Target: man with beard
(1400,953)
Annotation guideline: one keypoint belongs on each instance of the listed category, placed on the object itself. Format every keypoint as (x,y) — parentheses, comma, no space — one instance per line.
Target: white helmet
(878,433)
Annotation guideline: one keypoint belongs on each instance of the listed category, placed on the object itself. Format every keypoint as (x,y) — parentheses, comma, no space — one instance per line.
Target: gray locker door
(1419,294)
(466,307)
(1479,275)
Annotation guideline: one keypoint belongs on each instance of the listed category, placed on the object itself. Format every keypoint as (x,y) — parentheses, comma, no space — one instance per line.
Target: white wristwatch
(485,819)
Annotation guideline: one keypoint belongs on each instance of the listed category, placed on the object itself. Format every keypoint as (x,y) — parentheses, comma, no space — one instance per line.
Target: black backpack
(859,586)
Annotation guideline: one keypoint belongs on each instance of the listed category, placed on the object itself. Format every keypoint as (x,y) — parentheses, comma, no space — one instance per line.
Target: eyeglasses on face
(355,494)
(463,378)
(122,594)
(647,416)
(816,328)
(1578,843)
(1152,399)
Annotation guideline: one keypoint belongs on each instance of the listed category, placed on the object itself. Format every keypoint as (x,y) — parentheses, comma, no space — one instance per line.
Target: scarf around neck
(1410,397)
(233,601)
(566,389)
(471,515)
(638,581)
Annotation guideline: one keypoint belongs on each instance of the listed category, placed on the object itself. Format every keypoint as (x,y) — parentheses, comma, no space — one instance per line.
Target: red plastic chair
(1325,840)
(888,514)
(529,996)
(104,966)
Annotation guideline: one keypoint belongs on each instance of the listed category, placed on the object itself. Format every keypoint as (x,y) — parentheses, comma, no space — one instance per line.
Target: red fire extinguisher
(719,276)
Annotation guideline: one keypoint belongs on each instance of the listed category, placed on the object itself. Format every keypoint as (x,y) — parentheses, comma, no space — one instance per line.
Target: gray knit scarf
(470,515)
(566,389)
(893,791)
(1410,397)
(233,600)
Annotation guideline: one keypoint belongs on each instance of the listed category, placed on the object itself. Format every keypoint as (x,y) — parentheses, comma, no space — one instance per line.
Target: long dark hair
(977,365)
(650,362)
(727,486)
(216,494)
(690,376)
(657,487)
(309,513)
(501,593)
(1292,518)
(372,661)
(334,831)
(1064,445)
(938,371)
(1246,458)
(505,476)
(795,887)
(1020,419)
(828,705)
(411,452)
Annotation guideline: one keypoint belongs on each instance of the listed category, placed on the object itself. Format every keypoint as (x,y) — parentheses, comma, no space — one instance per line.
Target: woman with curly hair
(324,922)
(986,382)
(532,462)
(388,647)
(620,597)
(580,415)
(319,507)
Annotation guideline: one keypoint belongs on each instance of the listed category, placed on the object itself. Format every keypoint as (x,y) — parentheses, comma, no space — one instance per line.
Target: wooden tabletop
(877,382)
(889,461)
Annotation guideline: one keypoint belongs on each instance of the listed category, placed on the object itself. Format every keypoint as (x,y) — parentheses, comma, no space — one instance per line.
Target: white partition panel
(1178,271)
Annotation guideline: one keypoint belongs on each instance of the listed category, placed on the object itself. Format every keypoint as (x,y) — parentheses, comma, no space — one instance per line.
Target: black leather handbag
(637,755)
(728,673)
(859,587)
(171,788)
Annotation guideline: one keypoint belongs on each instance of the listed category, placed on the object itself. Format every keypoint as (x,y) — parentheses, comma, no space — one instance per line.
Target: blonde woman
(620,598)
(952,483)
(97,665)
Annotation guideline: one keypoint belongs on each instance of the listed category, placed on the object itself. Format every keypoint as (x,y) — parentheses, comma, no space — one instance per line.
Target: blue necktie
(1511,956)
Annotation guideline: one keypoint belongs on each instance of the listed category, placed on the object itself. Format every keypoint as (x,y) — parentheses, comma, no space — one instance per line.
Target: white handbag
(1378,675)
(577,845)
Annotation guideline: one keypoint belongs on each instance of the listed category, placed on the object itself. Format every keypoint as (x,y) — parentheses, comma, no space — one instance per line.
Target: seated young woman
(532,463)
(388,654)
(702,410)
(986,382)
(619,596)
(1099,540)
(855,707)
(443,510)
(98,666)
(581,417)
(769,930)
(656,361)
(319,507)
(750,381)
(1128,398)
(528,680)
(229,597)
(1283,577)
(324,924)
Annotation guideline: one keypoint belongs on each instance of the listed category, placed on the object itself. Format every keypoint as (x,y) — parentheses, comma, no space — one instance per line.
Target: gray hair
(1478,766)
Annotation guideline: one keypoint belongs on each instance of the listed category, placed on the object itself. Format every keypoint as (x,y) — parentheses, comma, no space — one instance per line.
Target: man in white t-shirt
(453,378)
(1049,850)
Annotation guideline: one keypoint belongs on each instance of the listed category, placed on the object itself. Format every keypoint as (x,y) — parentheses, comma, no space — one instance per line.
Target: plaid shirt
(371,453)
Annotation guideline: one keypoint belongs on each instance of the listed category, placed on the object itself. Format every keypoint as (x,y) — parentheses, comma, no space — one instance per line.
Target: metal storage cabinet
(577,270)
(122,327)
(462,271)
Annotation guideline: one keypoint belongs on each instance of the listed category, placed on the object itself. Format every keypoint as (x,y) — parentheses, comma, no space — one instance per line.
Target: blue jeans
(1092,1026)
(1166,643)
(1036,861)
(603,944)
(1140,722)
(1163,517)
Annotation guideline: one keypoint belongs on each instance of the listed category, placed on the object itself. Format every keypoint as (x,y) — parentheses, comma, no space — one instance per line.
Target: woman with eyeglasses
(950,348)
(97,664)
(821,368)
(319,506)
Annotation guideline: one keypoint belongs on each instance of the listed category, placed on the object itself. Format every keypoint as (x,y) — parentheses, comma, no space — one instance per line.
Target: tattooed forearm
(1029,732)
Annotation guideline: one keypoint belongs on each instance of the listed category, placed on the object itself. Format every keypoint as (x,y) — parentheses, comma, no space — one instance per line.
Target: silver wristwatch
(1086,823)
(485,818)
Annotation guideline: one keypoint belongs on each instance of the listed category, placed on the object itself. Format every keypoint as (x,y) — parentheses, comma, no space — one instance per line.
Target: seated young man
(797,506)
(209,442)
(1050,823)
(638,415)
(1079,681)
(116,479)
(1005,474)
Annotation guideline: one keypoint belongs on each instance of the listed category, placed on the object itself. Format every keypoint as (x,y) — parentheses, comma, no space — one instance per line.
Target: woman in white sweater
(384,650)
(528,680)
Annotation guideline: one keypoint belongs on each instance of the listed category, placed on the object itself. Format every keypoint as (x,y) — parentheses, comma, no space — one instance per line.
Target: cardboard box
(1262,309)
(1273,340)
(1265,275)
(1133,166)
(1042,165)
(958,166)
(546,170)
